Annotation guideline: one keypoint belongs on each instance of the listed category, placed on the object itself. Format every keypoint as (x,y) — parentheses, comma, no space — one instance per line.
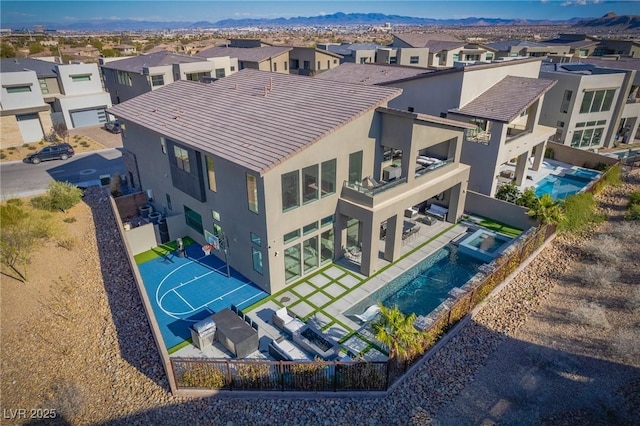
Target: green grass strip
(502,228)
(179,346)
(160,251)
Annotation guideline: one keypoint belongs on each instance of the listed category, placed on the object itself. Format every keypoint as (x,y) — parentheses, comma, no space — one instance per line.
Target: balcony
(370,187)
(479,136)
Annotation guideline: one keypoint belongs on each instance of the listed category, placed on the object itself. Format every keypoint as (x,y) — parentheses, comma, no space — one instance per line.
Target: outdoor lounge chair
(369,314)
(286,321)
(437,211)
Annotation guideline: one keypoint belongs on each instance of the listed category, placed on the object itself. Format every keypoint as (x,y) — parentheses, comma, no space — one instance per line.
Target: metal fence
(338,376)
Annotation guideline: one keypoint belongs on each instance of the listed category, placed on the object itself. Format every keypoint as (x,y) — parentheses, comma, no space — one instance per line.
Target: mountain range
(335,19)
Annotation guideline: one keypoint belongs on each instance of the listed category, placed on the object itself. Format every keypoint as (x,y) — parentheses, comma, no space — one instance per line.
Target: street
(23,179)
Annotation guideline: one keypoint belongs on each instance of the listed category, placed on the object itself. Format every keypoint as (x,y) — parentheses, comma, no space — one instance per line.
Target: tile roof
(233,119)
(620,64)
(249,54)
(505,100)
(421,39)
(370,73)
(157,59)
(507,44)
(440,45)
(347,49)
(42,68)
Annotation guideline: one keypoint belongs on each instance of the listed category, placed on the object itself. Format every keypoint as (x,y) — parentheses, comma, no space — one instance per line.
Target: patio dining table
(235,334)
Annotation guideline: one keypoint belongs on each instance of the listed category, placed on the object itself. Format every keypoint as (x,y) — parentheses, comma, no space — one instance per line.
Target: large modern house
(501,100)
(289,172)
(596,102)
(130,77)
(36,94)
(264,58)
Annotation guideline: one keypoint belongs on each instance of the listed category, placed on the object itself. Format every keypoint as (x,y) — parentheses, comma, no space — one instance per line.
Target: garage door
(88,117)
(30,127)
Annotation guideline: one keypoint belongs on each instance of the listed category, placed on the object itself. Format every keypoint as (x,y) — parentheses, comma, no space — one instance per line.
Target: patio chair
(234,308)
(369,314)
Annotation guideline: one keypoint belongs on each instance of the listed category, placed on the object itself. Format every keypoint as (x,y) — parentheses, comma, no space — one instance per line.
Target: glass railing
(371,191)
(432,167)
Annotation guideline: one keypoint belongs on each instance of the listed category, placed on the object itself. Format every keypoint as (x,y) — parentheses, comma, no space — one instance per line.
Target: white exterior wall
(404,56)
(70,87)
(72,103)
(9,101)
(430,95)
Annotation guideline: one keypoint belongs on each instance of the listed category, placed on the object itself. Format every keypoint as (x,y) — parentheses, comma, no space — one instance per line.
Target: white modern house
(502,100)
(596,102)
(133,76)
(35,94)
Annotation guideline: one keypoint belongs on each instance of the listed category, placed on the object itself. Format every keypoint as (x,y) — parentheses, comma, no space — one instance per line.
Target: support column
(539,155)
(393,240)
(369,237)
(522,165)
(458,194)
(340,237)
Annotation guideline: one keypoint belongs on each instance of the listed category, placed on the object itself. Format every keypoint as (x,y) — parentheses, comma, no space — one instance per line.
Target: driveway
(100,135)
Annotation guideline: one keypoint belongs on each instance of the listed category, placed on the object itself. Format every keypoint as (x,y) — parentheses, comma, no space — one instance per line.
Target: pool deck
(321,298)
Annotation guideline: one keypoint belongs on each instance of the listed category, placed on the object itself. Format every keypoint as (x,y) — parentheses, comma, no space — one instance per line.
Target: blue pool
(425,286)
(562,186)
(484,245)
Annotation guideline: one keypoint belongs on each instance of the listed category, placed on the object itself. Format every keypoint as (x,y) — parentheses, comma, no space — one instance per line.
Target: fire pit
(314,341)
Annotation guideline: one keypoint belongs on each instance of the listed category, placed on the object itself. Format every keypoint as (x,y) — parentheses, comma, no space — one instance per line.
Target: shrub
(634,199)
(69,219)
(2,156)
(528,199)
(633,213)
(612,176)
(598,275)
(60,196)
(605,248)
(67,243)
(591,314)
(509,193)
(580,213)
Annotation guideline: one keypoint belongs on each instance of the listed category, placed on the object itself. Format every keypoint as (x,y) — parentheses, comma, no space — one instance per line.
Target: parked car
(113,126)
(60,151)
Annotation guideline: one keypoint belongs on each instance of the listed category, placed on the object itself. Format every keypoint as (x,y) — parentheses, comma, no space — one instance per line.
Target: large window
(326,244)
(252,193)
(355,167)
(328,183)
(290,236)
(197,76)
(43,86)
(310,254)
(596,101)
(290,191)
(566,101)
(220,72)
(414,59)
(211,173)
(157,80)
(123,78)
(310,186)
(292,262)
(256,256)
(182,158)
(193,220)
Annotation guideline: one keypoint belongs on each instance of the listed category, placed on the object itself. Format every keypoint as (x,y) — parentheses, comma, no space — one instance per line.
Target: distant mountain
(335,19)
(611,20)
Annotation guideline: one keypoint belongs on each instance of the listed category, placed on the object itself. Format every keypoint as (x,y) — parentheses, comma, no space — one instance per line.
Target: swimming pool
(483,245)
(584,173)
(562,186)
(424,287)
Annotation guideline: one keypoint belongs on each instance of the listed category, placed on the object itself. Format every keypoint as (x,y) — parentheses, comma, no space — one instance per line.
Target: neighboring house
(87,53)
(502,100)
(443,50)
(71,94)
(269,58)
(358,53)
(580,45)
(311,60)
(595,103)
(284,167)
(130,77)
(523,48)
(126,49)
(583,45)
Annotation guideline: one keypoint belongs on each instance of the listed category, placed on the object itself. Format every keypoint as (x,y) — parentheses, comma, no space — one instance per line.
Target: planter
(154,217)
(145,210)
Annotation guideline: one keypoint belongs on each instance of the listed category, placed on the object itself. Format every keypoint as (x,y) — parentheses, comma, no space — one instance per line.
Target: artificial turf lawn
(501,228)
(161,250)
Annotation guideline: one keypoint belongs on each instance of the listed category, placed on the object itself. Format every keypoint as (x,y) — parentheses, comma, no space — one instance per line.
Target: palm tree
(396,331)
(547,211)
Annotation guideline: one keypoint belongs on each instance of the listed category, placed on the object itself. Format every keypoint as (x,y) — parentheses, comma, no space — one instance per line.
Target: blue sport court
(184,290)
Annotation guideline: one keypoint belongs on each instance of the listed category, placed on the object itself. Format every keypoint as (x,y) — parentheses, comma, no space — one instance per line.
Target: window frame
(211,173)
(252,193)
(294,192)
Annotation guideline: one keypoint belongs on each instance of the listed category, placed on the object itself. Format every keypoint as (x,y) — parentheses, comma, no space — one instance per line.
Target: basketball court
(184,290)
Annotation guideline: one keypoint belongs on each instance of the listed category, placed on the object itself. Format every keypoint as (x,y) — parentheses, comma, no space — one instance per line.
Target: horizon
(34,12)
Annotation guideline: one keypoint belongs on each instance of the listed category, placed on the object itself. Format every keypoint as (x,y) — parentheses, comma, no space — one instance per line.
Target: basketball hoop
(207,249)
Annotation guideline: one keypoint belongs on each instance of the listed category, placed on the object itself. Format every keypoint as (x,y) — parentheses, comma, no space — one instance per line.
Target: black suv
(60,151)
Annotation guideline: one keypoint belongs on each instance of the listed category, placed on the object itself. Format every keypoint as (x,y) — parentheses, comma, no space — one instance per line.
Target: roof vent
(266,91)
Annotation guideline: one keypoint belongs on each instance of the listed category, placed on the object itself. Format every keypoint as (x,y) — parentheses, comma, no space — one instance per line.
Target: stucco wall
(578,157)
(32,98)
(498,210)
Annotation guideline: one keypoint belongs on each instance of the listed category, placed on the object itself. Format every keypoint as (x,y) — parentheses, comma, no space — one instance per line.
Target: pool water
(424,287)
(561,187)
(583,173)
(483,245)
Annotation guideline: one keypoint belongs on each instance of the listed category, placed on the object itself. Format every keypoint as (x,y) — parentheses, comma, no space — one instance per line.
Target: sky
(33,12)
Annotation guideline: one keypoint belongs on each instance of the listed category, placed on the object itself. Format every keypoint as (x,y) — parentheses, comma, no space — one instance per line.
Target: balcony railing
(424,170)
(514,134)
(479,136)
(371,191)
